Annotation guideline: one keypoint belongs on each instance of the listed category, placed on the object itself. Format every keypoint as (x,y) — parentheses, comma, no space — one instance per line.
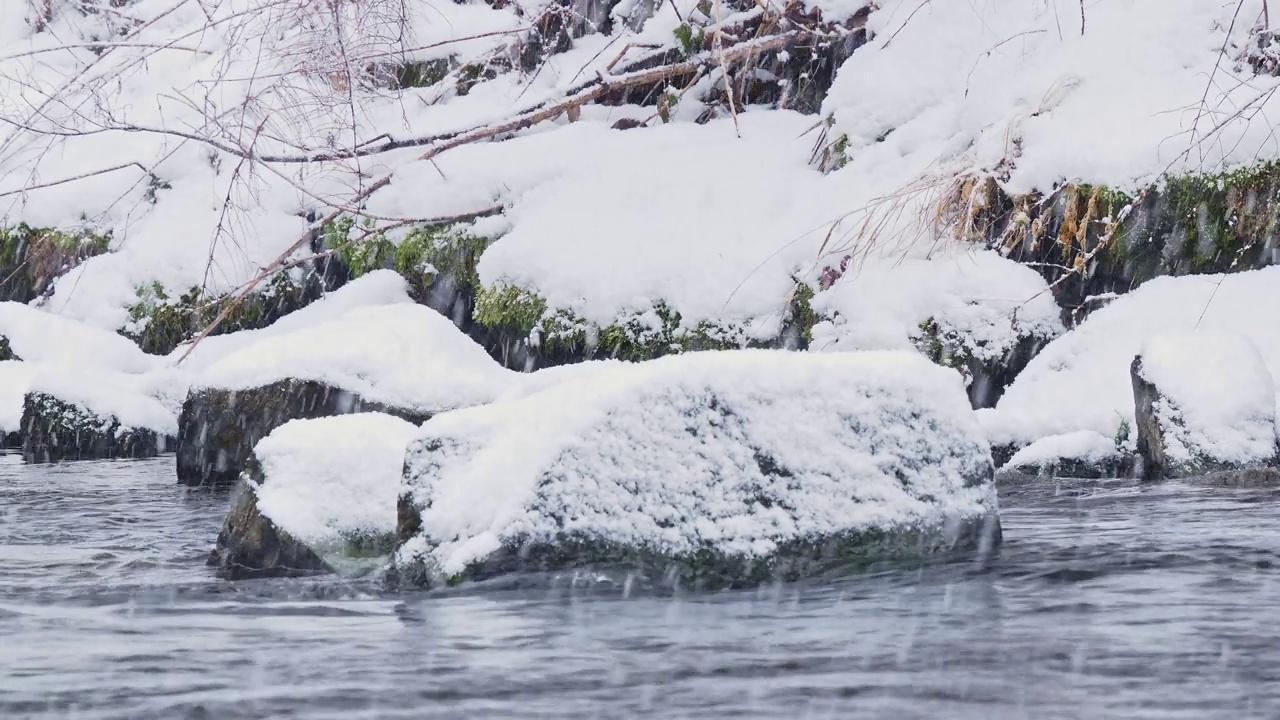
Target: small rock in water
(317,496)
(54,430)
(1204,403)
(1084,454)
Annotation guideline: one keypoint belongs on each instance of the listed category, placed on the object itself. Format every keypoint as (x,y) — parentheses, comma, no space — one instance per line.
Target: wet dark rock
(6,352)
(1117,466)
(218,428)
(54,430)
(251,546)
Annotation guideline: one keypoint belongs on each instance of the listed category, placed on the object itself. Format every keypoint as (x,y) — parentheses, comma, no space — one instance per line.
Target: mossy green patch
(159,321)
(515,313)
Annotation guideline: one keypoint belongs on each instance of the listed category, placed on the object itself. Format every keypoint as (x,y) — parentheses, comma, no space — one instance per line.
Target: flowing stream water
(1107,600)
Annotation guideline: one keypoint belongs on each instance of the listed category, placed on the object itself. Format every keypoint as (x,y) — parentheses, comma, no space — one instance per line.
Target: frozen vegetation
(891,242)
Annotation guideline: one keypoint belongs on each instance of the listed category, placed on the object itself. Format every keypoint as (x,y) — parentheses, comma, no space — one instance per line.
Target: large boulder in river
(1204,403)
(315,497)
(707,469)
(404,360)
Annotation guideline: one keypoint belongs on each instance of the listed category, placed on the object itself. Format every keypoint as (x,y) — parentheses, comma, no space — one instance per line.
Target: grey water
(1110,600)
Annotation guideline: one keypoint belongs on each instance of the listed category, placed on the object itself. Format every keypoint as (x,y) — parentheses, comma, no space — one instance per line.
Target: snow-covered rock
(971,310)
(56,429)
(730,467)
(1081,454)
(1081,381)
(317,496)
(1205,402)
(37,336)
(402,359)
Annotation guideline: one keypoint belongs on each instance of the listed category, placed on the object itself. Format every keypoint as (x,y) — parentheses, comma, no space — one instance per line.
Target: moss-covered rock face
(31,259)
(54,430)
(1185,225)
(522,332)
(438,261)
(218,429)
(160,321)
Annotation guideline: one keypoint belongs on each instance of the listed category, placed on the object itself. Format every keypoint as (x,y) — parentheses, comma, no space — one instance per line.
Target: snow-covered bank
(735,466)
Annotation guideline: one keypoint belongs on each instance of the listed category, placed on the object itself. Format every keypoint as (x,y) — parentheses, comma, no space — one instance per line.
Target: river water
(1107,600)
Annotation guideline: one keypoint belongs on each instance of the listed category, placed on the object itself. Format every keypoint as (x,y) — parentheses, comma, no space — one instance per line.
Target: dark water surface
(1107,600)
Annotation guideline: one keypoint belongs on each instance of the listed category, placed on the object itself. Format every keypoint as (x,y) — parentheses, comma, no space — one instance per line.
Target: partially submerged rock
(711,469)
(317,496)
(1204,403)
(1082,454)
(54,430)
(404,360)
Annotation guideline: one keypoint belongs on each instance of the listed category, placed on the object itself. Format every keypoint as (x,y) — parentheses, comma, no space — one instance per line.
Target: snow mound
(402,355)
(331,480)
(15,378)
(1081,380)
(980,297)
(106,394)
(1078,454)
(39,336)
(380,287)
(1216,399)
(730,457)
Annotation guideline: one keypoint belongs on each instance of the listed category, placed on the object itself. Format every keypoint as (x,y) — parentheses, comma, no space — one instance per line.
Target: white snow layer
(672,455)
(331,479)
(1084,445)
(1081,380)
(1217,398)
(985,301)
(108,375)
(1114,101)
(403,355)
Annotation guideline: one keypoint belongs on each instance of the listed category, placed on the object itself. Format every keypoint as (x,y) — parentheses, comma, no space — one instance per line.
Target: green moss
(160,321)
(420,74)
(519,314)
(690,40)
(509,309)
(802,313)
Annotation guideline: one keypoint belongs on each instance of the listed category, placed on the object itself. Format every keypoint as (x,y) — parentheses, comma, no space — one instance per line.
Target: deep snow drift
(708,459)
